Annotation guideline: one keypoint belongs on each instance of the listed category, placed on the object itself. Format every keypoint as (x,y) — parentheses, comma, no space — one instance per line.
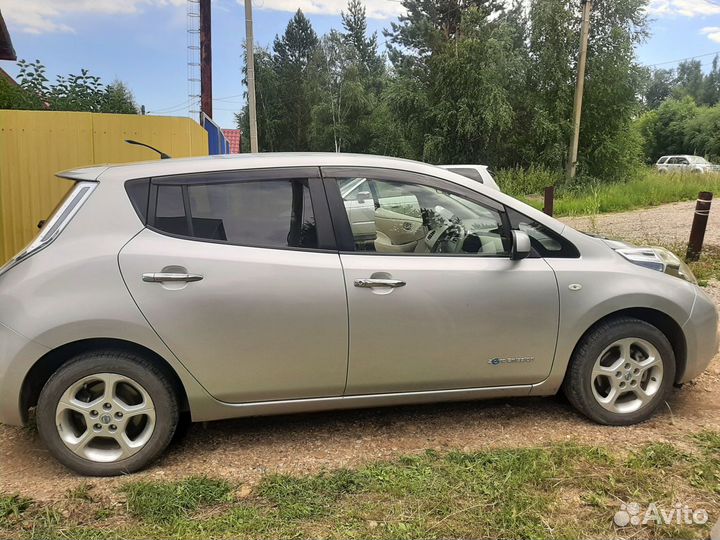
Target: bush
(519,181)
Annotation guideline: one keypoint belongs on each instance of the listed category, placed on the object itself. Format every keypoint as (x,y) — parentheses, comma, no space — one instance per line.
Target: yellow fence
(34,145)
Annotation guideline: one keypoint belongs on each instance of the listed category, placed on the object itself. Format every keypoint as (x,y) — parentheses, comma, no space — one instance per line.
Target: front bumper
(701,335)
(17,355)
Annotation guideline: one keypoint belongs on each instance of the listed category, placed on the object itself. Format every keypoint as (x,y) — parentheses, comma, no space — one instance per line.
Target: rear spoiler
(87,174)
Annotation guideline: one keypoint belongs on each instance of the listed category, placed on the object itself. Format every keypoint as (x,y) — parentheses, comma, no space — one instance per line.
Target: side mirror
(362,196)
(521,246)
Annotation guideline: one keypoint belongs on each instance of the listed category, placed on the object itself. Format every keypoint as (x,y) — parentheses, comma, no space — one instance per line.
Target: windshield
(698,160)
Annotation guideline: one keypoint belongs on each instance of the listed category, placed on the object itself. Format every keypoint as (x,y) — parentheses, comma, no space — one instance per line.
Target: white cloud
(712,32)
(376,9)
(684,8)
(45,16)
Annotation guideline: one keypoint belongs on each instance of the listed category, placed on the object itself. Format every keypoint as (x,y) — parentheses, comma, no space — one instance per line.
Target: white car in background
(479,173)
(683,163)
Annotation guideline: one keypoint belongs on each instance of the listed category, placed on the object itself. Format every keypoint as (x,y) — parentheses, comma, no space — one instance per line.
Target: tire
(116,409)
(614,392)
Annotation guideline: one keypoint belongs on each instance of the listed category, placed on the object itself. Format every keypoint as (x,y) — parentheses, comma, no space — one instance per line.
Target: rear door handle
(382,283)
(160,277)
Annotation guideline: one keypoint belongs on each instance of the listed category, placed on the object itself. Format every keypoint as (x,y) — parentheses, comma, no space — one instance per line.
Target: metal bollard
(699,224)
(549,200)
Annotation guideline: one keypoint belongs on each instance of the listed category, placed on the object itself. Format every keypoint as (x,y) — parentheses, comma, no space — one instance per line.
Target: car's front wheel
(107,413)
(621,372)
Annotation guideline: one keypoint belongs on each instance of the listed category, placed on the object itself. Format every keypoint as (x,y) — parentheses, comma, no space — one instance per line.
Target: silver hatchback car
(281,283)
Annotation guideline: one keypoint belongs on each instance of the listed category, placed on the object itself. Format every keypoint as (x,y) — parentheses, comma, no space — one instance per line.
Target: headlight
(659,259)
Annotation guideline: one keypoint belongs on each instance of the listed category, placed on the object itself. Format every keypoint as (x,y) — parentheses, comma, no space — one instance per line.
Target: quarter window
(267,213)
(397,217)
(544,241)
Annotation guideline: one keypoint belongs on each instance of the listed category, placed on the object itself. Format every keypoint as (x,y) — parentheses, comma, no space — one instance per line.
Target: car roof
(165,167)
(463,166)
(119,173)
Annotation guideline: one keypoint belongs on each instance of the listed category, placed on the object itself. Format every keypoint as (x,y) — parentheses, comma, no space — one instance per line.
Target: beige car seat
(396,232)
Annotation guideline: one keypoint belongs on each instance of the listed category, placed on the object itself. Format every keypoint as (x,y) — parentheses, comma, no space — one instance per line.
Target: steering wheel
(450,239)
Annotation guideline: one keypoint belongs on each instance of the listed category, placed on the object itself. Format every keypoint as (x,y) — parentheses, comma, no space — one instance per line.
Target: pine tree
(292,54)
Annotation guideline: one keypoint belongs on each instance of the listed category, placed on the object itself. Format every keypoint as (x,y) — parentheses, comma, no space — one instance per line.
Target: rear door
(238,274)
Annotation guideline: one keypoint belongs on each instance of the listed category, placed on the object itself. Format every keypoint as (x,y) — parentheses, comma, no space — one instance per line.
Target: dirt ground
(668,224)
(244,450)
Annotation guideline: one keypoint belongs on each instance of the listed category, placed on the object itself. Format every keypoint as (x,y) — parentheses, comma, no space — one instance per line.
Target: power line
(683,59)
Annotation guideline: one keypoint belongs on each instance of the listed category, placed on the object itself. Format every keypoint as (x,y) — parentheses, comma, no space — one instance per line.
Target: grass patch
(81,492)
(163,502)
(558,491)
(648,189)
(12,506)
(708,267)
(656,455)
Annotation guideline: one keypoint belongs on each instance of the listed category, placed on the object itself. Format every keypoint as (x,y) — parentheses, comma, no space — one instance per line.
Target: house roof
(7,52)
(234,137)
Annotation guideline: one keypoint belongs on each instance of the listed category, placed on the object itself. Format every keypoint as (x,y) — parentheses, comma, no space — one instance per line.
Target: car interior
(393,217)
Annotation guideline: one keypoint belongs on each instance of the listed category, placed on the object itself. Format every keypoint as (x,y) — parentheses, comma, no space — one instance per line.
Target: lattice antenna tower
(193,57)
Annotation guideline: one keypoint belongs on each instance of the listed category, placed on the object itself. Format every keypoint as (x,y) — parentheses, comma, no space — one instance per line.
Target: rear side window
(267,213)
(139,192)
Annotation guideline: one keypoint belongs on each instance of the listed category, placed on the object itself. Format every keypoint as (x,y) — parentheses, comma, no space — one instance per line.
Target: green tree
(689,80)
(292,55)
(268,96)
(658,86)
(355,35)
(664,130)
(350,80)
(118,99)
(702,133)
(609,146)
(82,92)
(711,84)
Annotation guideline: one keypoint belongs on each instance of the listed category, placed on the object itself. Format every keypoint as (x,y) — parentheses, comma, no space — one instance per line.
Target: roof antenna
(163,155)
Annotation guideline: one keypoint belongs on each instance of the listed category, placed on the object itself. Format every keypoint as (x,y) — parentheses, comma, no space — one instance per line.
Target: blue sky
(143,42)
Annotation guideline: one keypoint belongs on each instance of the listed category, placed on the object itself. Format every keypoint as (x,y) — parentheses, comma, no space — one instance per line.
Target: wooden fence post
(699,224)
(549,200)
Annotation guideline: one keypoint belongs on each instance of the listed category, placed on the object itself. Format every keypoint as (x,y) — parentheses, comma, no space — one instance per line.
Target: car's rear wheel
(621,372)
(107,413)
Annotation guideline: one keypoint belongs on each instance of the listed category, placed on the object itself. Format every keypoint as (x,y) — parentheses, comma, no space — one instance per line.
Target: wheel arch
(662,321)
(49,363)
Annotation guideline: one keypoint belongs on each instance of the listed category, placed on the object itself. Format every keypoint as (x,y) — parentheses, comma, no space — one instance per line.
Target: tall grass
(648,188)
(519,181)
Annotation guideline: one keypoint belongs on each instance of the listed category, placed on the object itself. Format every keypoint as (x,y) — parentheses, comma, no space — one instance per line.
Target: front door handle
(160,277)
(381,283)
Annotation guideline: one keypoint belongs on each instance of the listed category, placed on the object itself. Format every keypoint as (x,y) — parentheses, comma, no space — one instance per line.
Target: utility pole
(579,89)
(251,75)
(205,59)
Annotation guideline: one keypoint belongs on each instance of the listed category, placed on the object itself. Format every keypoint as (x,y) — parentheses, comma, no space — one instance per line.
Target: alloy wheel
(627,375)
(105,417)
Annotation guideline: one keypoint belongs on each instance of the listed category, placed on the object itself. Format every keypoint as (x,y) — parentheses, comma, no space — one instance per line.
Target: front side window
(266,213)
(398,217)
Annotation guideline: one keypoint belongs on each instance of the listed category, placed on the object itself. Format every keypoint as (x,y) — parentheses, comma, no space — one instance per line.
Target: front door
(434,300)
(239,275)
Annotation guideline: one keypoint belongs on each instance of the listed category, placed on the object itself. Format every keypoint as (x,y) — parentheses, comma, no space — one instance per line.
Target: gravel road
(244,450)
(668,224)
